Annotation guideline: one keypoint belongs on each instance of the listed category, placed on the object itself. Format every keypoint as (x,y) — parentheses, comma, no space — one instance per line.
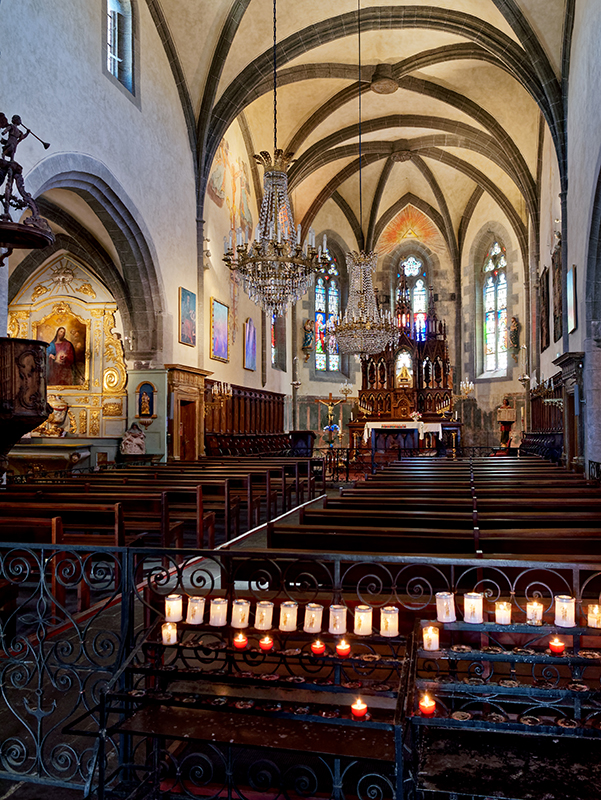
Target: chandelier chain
(362,242)
(275,84)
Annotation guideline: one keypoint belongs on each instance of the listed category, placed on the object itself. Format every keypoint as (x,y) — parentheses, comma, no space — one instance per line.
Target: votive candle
(240,613)
(218,613)
(472,607)
(565,611)
(363,621)
(557,646)
(288,612)
(266,643)
(318,648)
(173,608)
(169,632)
(594,616)
(534,613)
(343,648)
(427,706)
(240,641)
(431,638)
(313,617)
(359,708)
(389,621)
(264,615)
(337,619)
(502,612)
(445,607)
(196,610)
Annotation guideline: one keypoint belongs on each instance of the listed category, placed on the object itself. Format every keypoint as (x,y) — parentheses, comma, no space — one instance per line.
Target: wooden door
(187,424)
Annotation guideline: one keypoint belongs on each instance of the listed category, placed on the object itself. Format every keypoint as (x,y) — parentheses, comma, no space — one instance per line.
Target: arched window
(413,286)
(420,308)
(495,308)
(327,307)
(119,42)
(278,342)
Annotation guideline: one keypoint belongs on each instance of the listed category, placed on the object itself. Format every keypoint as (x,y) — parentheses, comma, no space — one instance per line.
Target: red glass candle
(556,646)
(266,643)
(318,648)
(343,648)
(240,641)
(359,708)
(427,706)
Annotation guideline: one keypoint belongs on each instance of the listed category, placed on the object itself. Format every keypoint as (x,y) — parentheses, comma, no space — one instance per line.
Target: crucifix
(331,404)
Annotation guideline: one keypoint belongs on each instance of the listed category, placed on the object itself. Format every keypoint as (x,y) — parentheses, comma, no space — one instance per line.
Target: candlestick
(318,648)
(240,641)
(472,607)
(266,643)
(431,638)
(557,646)
(218,613)
(196,610)
(594,616)
(337,619)
(502,613)
(240,613)
(389,621)
(173,608)
(264,615)
(565,611)
(427,706)
(359,708)
(363,617)
(288,612)
(445,607)
(313,617)
(169,632)
(534,613)
(343,648)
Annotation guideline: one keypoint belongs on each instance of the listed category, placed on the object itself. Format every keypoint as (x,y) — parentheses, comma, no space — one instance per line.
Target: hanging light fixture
(364,329)
(275,269)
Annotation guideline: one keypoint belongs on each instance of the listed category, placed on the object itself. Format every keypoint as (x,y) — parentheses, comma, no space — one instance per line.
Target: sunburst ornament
(410,223)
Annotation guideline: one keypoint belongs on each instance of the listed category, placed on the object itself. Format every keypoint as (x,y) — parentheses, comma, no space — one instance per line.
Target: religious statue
(514,338)
(308,338)
(54,424)
(133,441)
(145,403)
(506,418)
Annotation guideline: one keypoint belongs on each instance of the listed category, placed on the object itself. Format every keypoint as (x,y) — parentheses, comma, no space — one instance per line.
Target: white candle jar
(472,608)
(445,607)
(196,610)
(288,612)
(313,618)
(534,613)
(173,608)
(169,632)
(264,615)
(218,613)
(337,620)
(389,621)
(502,612)
(594,616)
(363,621)
(565,611)
(240,613)
(431,638)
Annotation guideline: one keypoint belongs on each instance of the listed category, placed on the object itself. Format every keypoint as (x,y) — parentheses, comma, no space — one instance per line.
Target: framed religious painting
(187,317)
(250,345)
(67,356)
(220,314)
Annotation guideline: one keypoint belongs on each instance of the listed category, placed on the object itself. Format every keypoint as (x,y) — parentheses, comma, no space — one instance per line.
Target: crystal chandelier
(275,269)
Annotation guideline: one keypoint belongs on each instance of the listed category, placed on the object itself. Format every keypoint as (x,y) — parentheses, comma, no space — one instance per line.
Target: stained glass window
(327,307)
(274,346)
(420,307)
(495,309)
(411,266)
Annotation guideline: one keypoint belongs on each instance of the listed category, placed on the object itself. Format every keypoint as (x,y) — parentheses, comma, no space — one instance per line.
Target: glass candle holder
(318,648)
(264,615)
(594,616)
(359,708)
(389,621)
(266,644)
(565,611)
(218,612)
(240,641)
(173,608)
(337,619)
(534,613)
(427,706)
(556,646)
(240,613)
(196,610)
(502,612)
(431,638)
(472,608)
(343,649)
(169,633)
(445,607)
(313,617)
(363,624)
(288,612)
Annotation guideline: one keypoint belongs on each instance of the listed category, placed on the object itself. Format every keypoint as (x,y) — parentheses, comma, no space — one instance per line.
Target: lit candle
(565,611)
(363,625)
(359,708)
(264,615)
(472,607)
(556,646)
(594,616)
(389,621)
(431,637)
(173,608)
(313,617)
(169,631)
(318,648)
(288,612)
(266,643)
(534,613)
(337,619)
(240,641)
(343,648)
(502,612)
(196,610)
(218,613)
(427,706)
(240,613)
(445,607)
